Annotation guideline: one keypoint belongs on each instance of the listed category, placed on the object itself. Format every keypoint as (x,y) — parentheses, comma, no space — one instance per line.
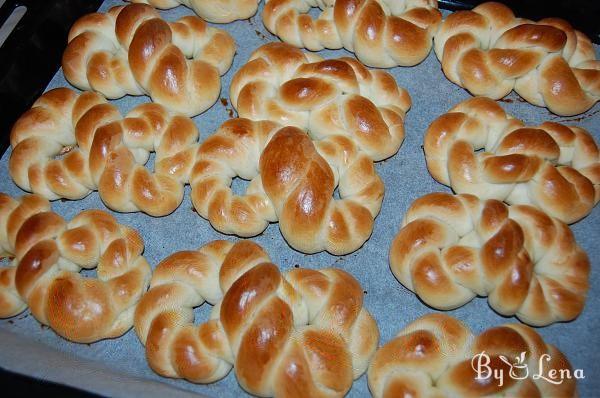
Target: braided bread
(436,356)
(453,248)
(131,50)
(293,182)
(551,166)
(49,253)
(218,11)
(490,52)
(382,33)
(302,333)
(324,97)
(105,152)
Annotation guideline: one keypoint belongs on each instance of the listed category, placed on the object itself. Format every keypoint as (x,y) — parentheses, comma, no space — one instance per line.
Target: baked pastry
(48,255)
(70,144)
(452,248)
(551,166)
(323,97)
(218,11)
(300,333)
(131,50)
(292,181)
(382,34)
(491,52)
(438,356)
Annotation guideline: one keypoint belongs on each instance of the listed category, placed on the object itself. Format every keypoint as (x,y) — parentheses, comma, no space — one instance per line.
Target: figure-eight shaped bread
(292,181)
(453,248)
(323,97)
(103,150)
(303,333)
(551,166)
(490,52)
(438,356)
(382,33)
(131,50)
(48,255)
(217,11)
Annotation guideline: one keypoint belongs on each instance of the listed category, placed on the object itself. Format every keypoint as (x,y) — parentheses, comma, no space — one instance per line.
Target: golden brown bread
(382,33)
(218,11)
(131,50)
(323,97)
(303,333)
(432,357)
(452,248)
(292,181)
(48,255)
(104,151)
(490,52)
(551,166)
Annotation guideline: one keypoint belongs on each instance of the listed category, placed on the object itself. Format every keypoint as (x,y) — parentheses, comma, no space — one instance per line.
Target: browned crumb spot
(224,101)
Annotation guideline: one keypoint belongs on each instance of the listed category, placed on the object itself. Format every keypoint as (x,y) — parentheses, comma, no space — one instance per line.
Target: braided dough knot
(323,97)
(48,255)
(217,11)
(105,151)
(382,33)
(551,166)
(302,333)
(292,181)
(453,248)
(490,52)
(131,50)
(436,356)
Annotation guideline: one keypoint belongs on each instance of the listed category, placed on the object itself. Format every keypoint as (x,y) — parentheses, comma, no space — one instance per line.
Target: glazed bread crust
(217,11)
(432,357)
(382,33)
(297,334)
(70,144)
(292,181)
(48,255)
(452,248)
(551,166)
(131,50)
(491,52)
(323,97)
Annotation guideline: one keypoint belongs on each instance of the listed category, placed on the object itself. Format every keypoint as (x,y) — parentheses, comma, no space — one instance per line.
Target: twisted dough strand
(323,97)
(433,357)
(107,152)
(453,248)
(382,33)
(551,166)
(292,181)
(131,50)
(48,255)
(217,11)
(302,333)
(490,52)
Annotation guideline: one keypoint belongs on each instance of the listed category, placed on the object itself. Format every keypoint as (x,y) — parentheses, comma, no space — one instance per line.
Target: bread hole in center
(239,186)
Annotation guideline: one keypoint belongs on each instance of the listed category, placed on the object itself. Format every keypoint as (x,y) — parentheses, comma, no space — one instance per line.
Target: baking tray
(118,367)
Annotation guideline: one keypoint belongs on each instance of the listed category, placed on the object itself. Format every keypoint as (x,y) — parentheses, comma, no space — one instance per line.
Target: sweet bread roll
(302,333)
(323,97)
(69,144)
(382,34)
(218,11)
(438,356)
(131,50)
(491,52)
(551,166)
(292,181)
(452,248)
(48,255)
